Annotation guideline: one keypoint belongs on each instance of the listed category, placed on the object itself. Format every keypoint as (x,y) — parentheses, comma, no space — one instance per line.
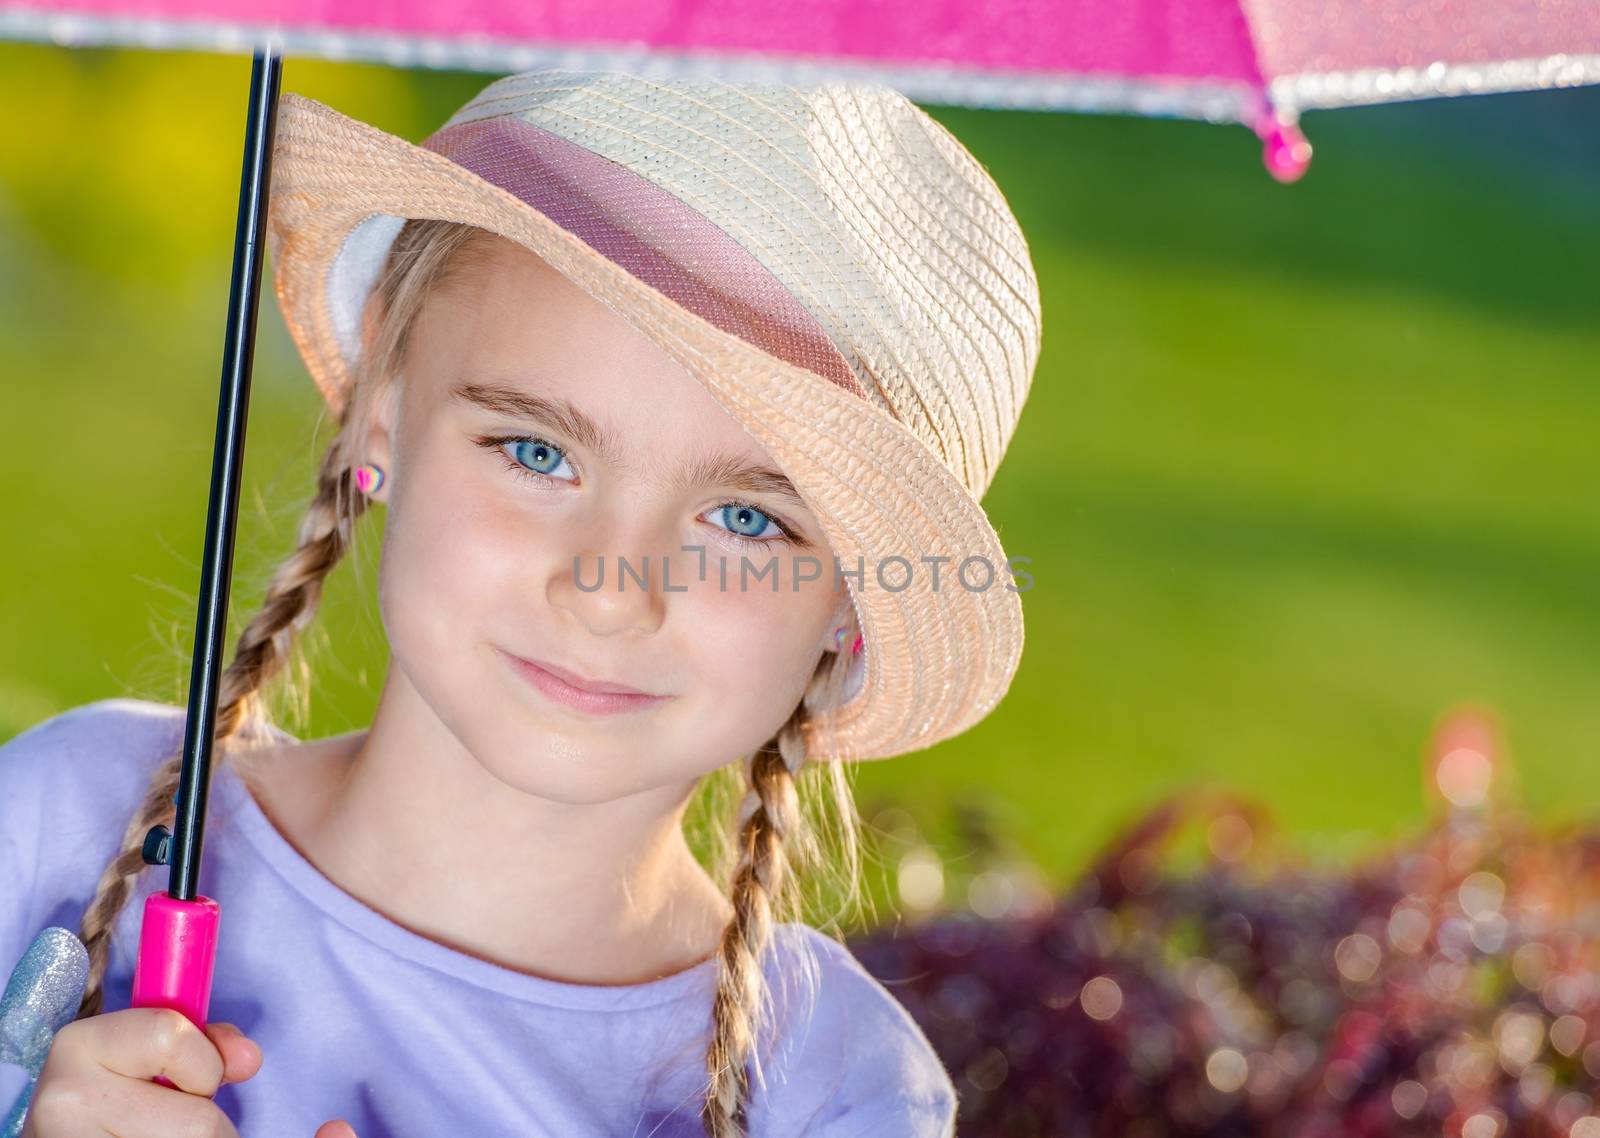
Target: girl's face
(537,439)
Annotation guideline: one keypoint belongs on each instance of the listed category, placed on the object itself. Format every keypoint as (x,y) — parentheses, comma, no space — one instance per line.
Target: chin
(558,767)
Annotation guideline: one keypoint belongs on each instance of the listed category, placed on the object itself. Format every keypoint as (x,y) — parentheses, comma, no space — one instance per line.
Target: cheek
(756,649)
(452,547)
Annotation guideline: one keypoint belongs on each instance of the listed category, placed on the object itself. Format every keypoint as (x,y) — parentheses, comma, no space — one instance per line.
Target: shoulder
(68,787)
(88,753)
(853,1050)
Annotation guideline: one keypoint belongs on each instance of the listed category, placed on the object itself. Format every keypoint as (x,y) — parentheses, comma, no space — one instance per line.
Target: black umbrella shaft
(227,461)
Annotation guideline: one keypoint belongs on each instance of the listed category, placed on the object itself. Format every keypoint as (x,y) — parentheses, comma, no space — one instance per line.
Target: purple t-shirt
(362,1019)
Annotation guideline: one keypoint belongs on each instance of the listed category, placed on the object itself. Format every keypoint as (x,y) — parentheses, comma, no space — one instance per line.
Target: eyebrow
(714,469)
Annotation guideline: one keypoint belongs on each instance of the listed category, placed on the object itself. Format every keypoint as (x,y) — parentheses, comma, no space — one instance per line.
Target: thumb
(241,1058)
(338,1129)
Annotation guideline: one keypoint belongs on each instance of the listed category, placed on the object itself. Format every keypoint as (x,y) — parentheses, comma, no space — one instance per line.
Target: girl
(679,398)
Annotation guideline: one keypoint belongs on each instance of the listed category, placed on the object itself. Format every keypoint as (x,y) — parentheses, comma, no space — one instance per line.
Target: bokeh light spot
(920,878)
(1226,1070)
(1464,776)
(1408,1098)
(1358,957)
(1101,998)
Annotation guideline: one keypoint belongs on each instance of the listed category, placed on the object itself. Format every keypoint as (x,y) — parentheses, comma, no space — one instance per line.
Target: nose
(608,594)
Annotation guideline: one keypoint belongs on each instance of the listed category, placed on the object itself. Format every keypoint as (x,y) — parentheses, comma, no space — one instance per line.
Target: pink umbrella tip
(1285,151)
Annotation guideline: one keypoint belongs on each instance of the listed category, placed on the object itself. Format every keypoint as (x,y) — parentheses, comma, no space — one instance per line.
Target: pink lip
(572,690)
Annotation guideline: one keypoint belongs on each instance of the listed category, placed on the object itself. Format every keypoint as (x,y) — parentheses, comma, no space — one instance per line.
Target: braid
(769,814)
(423,254)
(773,840)
(263,647)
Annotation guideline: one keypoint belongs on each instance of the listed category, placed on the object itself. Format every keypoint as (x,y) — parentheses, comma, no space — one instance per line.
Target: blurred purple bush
(1446,987)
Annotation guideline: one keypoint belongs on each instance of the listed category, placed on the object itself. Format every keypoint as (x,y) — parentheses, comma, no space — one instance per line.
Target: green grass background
(1302,466)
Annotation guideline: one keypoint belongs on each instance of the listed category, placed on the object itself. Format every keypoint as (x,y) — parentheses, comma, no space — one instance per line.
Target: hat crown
(885,229)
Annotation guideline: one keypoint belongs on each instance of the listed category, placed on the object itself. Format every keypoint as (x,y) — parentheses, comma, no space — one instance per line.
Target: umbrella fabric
(1335,53)
(1222,60)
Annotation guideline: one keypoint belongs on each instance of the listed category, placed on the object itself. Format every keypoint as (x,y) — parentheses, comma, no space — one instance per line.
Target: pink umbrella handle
(1285,151)
(177,955)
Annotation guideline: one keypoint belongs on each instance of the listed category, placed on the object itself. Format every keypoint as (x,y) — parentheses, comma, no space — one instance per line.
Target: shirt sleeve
(68,787)
(21,760)
(904,1092)
(865,1068)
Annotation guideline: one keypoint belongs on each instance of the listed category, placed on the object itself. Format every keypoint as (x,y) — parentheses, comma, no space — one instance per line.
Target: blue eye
(745,521)
(536,454)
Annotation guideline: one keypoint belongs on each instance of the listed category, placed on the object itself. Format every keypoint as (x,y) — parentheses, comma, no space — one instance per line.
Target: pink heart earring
(369,478)
(839,635)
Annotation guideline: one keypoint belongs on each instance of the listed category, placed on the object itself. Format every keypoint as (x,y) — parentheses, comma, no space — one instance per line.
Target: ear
(843,613)
(380,441)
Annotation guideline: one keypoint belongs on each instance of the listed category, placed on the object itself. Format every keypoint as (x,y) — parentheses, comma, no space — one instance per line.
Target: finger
(145,1042)
(338,1129)
(241,1057)
(127,1107)
(162,1112)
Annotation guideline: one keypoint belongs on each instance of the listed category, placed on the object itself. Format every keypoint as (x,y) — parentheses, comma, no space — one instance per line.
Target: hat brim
(936,660)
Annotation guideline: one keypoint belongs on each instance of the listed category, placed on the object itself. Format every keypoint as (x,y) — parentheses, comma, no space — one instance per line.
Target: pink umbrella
(1256,62)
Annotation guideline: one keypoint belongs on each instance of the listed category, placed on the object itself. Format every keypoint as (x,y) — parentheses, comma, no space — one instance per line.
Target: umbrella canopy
(1255,62)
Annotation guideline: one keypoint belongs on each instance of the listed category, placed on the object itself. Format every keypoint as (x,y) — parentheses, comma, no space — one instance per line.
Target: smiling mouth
(569,690)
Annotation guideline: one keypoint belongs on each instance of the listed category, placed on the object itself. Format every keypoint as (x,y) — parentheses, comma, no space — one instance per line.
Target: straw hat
(841,274)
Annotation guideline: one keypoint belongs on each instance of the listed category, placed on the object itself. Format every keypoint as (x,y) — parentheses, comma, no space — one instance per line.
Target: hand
(339,1129)
(97,1077)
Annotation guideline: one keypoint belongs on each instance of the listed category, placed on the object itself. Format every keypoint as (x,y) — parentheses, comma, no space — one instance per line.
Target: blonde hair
(789,816)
